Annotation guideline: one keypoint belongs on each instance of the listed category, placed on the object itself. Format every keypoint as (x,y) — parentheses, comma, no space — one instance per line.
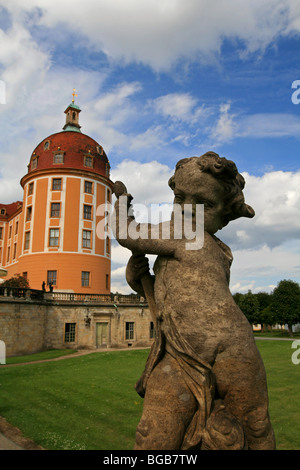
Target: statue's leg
(241,383)
(168,408)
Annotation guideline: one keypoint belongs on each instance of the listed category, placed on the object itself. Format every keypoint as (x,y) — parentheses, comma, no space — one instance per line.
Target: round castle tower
(67,180)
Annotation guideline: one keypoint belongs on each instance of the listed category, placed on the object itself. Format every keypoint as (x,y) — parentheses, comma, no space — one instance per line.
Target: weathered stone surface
(204,383)
(31,326)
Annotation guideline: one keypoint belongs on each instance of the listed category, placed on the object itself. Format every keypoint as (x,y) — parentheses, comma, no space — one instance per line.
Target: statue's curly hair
(233,182)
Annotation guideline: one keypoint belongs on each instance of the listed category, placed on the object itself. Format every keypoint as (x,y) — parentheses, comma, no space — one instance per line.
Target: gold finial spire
(74,94)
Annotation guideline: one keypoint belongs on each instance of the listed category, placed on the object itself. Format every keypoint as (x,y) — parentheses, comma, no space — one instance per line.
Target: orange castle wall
(69,267)
(69,258)
(39,220)
(72,213)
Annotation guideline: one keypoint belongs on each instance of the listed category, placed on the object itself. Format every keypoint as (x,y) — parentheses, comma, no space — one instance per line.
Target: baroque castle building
(57,235)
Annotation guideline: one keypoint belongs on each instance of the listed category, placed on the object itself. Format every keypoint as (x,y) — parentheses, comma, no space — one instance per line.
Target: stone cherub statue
(204,384)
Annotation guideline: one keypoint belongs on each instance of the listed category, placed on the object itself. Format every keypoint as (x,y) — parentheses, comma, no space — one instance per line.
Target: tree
(267,317)
(16,281)
(264,300)
(249,305)
(286,303)
(237,297)
(265,314)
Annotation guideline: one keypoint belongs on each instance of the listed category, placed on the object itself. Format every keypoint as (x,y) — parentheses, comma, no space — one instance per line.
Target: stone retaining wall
(28,326)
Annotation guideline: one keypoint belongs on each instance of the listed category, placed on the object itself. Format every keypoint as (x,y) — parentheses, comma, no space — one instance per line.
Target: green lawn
(41,356)
(89,402)
(283,385)
(274,333)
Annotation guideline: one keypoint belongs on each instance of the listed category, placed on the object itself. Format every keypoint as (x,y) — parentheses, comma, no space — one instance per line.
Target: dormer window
(88,161)
(3,212)
(58,158)
(34,162)
(47,145)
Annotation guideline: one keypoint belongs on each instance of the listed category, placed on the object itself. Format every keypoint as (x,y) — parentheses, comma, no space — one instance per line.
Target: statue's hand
(137,267)
(119,189)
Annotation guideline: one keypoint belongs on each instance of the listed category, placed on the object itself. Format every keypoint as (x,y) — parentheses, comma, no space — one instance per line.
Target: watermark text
(296,354)
(2,92)
(2,352)
(174,222)
(296,93)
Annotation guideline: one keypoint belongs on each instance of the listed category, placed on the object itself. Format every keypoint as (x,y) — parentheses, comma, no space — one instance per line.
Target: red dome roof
(69,149)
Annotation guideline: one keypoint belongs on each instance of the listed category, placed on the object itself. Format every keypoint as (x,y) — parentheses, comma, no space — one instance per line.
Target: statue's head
(214,182)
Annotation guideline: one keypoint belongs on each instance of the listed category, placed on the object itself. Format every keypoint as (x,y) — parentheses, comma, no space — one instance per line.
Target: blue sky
(159,80)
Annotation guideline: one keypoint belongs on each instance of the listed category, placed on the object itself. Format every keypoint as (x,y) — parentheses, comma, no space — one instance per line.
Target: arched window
(47,145)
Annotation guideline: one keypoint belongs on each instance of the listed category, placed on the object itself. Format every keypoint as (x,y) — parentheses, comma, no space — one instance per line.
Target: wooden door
(101,335)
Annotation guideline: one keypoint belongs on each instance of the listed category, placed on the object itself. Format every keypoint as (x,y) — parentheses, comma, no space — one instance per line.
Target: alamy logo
(2,92)
(296,94)
(296,354)
(2,352)
(185,222)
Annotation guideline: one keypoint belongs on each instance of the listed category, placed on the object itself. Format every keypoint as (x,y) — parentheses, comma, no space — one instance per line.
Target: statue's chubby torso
(192,294)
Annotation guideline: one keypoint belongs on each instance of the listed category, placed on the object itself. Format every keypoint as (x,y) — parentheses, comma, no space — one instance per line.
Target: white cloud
(24,64)
(261,269)
(147,182)
(268,125)
(154,137)
(224,130)
(116,105)
(275,197)
(231,125)
(118,272)
(175,105)
(293,24)
(10,190)
(36,86)
(160,32)
(119,255)
(242,288)
(120,287)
